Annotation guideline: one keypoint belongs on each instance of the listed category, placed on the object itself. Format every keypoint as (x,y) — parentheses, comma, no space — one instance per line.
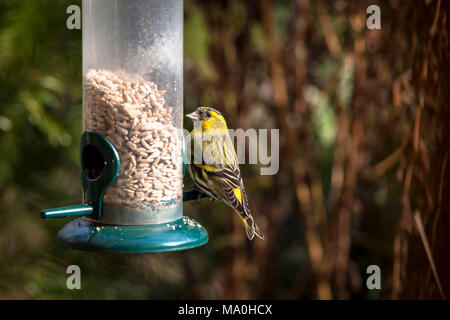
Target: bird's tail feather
(251,228)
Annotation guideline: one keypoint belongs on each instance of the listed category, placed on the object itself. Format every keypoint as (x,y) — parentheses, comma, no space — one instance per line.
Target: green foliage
(197,40)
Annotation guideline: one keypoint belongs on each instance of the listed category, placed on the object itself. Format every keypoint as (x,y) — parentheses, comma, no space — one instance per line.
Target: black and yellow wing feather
(224,182)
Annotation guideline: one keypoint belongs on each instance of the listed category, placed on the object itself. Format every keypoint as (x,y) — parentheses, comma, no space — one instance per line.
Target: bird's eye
(208,114)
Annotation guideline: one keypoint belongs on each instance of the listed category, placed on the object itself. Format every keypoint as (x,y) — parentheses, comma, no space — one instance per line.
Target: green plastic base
(83,234)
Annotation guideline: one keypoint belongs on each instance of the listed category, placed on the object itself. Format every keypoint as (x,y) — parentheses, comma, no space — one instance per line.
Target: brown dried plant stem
(303,191)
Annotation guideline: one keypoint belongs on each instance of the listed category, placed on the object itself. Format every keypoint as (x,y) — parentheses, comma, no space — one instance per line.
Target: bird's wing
(218,174)
(228,186)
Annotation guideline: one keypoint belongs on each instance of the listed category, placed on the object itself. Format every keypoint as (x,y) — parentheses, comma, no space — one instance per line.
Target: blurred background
(364,144)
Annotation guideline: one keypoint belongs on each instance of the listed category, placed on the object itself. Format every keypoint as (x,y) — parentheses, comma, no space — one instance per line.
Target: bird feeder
(132,146)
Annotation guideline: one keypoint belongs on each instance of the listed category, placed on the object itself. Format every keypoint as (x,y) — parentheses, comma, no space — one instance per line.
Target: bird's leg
(200,193)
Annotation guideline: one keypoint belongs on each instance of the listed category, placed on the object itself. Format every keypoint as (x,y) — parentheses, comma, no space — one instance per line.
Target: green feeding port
(92,162)
(132,149)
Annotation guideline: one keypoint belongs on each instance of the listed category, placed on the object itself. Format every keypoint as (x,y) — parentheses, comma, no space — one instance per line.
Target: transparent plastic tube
(133,96)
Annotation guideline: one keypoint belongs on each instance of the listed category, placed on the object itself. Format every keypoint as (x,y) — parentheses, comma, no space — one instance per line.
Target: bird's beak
(194,116)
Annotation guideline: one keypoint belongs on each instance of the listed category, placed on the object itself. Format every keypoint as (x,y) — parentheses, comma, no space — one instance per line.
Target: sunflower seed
(130,112)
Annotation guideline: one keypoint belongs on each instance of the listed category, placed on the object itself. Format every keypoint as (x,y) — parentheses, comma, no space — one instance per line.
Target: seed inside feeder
(131,113)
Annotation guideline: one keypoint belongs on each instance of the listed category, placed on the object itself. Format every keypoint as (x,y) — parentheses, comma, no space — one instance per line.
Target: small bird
(217,173)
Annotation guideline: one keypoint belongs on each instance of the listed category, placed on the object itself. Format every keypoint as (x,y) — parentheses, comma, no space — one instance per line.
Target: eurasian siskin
(214,166)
